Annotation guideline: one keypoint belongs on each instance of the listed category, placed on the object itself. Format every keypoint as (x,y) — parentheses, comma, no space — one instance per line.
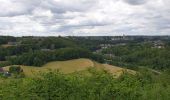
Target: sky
(84,17)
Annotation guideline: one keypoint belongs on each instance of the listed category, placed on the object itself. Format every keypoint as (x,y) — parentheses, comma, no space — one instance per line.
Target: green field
(71,66)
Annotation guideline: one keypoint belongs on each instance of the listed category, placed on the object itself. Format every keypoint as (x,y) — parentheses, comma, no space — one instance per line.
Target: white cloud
(84,17)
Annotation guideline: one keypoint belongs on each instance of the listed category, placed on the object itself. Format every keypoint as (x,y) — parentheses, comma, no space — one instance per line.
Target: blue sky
(84,17)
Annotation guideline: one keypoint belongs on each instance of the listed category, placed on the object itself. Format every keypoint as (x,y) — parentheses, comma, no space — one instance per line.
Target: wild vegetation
(39,51)
(98,85)
(60,77)
(135,55)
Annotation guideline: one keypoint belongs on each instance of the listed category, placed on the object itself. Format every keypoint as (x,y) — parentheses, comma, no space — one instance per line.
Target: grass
(3,61)
(7,45)
(70,66)
(117,71)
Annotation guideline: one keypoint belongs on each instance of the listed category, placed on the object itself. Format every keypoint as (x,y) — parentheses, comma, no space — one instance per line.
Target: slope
(71,66)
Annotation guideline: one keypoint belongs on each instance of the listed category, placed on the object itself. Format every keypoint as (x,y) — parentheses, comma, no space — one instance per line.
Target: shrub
(4,63)
(97,85)
(15,69)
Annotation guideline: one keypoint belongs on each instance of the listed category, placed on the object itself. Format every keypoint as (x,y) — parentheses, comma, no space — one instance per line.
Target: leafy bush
(15,69)
(97,85)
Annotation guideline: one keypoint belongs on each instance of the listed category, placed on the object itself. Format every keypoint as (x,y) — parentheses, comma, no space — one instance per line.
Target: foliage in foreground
(97,85)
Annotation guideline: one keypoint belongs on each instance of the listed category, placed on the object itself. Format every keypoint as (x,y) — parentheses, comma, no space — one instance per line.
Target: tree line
(38,58)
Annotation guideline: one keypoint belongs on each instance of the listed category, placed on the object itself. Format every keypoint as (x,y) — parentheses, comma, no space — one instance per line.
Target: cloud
(84,17)
(63,6)
(136,2)
(9,8)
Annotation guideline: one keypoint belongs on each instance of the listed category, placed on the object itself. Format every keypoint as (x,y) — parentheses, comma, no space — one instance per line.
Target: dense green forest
(38,58)
(38,51)
(135,55)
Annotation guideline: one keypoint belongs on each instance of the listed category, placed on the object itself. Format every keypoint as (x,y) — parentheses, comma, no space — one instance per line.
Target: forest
(149,57)
(143,54)
(36,52)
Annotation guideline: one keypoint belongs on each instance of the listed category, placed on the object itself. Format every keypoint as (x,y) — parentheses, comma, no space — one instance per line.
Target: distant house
(94,38)
(4,73)
(14,43)
(109,55)
(120,44)
(118,38)
(98,51)
(46,50)
(1,70)
(158,44)
(103,46)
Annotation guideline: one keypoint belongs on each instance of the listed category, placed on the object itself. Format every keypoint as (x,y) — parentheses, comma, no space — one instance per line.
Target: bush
(15,69)
(97,85)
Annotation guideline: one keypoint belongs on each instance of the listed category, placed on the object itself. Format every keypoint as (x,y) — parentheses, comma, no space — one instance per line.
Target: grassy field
(71,66)
(6,45)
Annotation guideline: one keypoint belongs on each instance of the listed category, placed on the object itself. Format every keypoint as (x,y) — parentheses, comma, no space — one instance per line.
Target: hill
(71,66)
